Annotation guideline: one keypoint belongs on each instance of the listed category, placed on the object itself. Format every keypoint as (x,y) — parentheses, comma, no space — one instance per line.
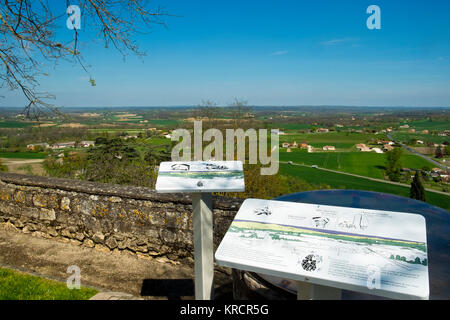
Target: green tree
(417,190)
(270,186)
(393,164)
(439,154)
(156,154)
(2,166)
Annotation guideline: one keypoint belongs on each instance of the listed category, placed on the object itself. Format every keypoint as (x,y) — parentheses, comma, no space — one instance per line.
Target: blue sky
(269,53)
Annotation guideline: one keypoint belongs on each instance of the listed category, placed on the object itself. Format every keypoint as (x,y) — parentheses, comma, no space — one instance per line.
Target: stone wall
(109,217)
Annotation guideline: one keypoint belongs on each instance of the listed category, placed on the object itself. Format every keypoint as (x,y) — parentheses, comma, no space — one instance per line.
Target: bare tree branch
(27,40)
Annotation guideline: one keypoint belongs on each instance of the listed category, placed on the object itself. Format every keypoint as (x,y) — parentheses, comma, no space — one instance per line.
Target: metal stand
(309,291)
(203,246)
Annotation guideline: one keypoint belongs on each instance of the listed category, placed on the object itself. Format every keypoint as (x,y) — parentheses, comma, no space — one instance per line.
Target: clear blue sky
(269,53)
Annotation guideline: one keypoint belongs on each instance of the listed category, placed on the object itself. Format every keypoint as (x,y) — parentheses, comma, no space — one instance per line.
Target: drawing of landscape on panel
(204,175)
(401,252)
(201,170)
(207,175)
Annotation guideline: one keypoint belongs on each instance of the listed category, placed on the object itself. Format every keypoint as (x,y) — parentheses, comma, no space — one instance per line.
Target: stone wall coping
(107,189)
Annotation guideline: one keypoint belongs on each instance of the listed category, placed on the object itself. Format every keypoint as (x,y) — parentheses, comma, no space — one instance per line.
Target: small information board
(200,176)
(377,252)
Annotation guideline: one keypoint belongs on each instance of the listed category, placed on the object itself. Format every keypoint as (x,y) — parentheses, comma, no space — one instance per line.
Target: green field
(23,155)
(343,140)
(128,131)
(164,122)
(290,126)
(341,181)
(429,125)
(338,145)
(20,286)
(16,124)
(157,141)
(368,164)
(406,136)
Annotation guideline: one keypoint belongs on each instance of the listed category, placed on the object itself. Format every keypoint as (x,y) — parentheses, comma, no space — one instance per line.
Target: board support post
(203,246)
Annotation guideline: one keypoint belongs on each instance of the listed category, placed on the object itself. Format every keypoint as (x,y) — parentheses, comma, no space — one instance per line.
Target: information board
(377,252)
(200,176)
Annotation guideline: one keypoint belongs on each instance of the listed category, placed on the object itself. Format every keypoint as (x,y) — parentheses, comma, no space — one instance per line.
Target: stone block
(47,214)
(88,243)
(65,204)
(111,243)
(98,237)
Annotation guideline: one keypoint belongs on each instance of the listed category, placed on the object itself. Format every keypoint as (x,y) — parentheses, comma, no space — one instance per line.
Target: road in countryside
(363,177)
(440,165)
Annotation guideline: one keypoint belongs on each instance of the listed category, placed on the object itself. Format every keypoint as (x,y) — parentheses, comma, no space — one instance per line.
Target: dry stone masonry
(109,217)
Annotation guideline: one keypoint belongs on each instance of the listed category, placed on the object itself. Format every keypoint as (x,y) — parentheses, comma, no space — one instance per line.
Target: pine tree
(417,190)
(439,153)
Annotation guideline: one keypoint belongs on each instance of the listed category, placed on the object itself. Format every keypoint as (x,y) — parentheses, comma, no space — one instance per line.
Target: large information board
(377,252)
(200,176)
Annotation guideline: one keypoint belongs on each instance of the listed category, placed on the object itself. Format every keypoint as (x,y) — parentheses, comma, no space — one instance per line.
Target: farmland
(341,181)
(16,124)
(426,124)
(341,140)
(23,155)
(143,134)
(368,164)
(405,136)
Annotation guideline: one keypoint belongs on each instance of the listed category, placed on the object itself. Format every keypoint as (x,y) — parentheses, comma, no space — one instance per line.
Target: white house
(377,150)
(274,131)
(87,144)
(60,145)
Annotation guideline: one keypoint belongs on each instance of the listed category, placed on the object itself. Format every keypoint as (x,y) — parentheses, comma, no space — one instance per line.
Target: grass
(23,155)
(26,168)
(20,286)
(338,145)
(163,122)
(406,136)
(157,141)
(341,181)
(428,125)
(347,139)
(16,124)
(368,164)
(114,130)
(291,126)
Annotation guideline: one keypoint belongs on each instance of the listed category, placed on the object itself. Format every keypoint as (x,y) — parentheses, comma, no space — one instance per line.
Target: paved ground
(106,271)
